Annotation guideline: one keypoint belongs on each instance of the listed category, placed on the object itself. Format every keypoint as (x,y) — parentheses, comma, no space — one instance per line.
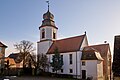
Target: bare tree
(25,48)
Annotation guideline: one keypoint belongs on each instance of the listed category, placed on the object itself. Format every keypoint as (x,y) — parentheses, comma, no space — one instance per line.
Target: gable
(11,61)
(16,56)
(2,45)
(67,45)
(84,43)
(101,48)
(90,54)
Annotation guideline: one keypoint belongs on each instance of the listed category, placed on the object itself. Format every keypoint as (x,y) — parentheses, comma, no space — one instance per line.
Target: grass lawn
(37,78)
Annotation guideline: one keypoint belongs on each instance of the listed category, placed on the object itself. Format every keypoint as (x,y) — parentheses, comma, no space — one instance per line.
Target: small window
(62,57)
(83,63)
(70,58)
(54,35)
(61,70)
(43,33)
(71,71)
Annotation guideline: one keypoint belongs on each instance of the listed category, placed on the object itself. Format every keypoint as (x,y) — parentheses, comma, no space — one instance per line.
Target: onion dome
(48,15)
(48,20)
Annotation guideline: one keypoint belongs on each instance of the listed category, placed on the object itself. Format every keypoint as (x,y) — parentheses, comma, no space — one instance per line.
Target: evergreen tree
(57,61)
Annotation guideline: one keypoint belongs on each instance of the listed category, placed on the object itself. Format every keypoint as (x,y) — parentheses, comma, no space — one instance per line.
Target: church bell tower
(48,32)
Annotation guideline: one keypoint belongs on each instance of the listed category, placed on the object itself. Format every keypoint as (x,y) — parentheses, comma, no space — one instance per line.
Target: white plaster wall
(68,66)
(42,47)
(100,70)
(85,43)
(109,65)
(79,54)
(91,68)
(48,33)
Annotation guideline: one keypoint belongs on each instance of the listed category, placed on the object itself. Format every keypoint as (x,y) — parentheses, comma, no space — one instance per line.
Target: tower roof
(48,15)
(48,19)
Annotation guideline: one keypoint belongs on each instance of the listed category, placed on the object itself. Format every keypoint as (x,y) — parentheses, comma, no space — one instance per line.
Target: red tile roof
(2,45)
(67,45)
(91,56)
(11,61)
(102,48)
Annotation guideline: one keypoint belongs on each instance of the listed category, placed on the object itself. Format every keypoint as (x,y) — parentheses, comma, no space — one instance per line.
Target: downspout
(76,64)
(49,59)
(80,66)
(110,67)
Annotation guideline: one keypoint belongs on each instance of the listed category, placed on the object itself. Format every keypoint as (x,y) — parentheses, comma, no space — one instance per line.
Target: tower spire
(48,4)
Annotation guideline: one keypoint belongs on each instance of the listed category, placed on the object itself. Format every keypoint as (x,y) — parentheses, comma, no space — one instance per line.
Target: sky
(20,20)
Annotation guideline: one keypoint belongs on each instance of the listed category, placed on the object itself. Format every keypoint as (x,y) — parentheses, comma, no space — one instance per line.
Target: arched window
(43,33)
(54,35)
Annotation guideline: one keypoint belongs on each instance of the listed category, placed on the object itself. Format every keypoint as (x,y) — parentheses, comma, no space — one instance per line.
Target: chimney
(105,41)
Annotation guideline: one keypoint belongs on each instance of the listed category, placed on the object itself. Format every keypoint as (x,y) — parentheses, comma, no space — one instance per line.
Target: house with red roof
(79,58)
(103,55)
(2,56)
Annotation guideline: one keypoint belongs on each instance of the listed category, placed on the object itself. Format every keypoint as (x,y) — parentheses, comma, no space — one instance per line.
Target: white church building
(80,59)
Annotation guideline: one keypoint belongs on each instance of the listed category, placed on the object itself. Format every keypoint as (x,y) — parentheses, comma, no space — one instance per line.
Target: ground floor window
(61,70)
(83,63)
(71,70)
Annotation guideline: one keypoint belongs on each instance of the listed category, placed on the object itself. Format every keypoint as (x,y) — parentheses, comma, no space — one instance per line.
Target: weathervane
(48,4)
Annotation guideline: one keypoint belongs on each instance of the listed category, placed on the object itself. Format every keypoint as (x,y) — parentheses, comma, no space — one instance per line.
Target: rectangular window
(83,63)
(43,34)
(52,58)
(71,71)
(61,70)
(62,57)
(54,35)
(70,58)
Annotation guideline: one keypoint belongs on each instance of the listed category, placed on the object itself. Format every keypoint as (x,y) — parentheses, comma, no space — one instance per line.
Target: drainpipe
(110,67)
(76,64)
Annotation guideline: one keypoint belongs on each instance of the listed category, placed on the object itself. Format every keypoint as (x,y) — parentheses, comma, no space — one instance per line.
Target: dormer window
(43,33)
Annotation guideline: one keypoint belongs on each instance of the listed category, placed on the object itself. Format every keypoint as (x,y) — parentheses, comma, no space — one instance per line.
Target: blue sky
(20,20)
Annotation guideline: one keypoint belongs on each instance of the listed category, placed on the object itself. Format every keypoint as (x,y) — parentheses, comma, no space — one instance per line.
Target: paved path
(35,78)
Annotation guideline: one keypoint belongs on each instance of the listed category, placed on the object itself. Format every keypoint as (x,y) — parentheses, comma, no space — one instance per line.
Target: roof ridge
(71,37)
(3,44)
(68,43)
(98,44)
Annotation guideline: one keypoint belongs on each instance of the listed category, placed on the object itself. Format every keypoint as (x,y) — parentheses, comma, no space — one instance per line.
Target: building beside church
(116,57)
(80,59)
(2,56)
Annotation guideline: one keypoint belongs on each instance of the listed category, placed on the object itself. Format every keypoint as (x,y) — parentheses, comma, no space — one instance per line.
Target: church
(80,59)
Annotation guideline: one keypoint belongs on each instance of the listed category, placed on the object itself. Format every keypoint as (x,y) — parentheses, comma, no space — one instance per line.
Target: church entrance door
(83,74)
